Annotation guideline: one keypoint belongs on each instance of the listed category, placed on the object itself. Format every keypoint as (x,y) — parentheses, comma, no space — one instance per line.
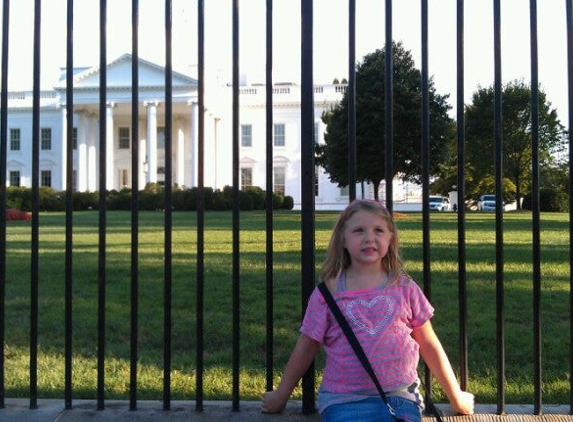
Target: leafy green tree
(555,175)
(516,137)
(332,155)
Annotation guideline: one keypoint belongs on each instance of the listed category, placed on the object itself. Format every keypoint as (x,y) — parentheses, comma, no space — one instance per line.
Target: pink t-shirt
(382,320)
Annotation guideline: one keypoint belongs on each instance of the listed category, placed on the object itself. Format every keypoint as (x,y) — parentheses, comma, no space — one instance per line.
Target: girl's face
(366,238)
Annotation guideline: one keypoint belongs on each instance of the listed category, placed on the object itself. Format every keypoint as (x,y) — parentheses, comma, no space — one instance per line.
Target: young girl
(390,316)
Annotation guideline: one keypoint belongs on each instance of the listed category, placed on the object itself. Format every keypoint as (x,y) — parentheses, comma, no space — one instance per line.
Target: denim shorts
(372,409)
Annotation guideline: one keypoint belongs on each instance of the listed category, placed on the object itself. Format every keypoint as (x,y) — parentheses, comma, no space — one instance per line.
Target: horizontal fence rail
(308,173)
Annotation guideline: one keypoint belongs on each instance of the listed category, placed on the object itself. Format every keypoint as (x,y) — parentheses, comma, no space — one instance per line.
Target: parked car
(439,203)
(486,203)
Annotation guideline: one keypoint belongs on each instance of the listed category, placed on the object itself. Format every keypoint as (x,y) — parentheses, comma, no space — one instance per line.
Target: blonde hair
(337,257)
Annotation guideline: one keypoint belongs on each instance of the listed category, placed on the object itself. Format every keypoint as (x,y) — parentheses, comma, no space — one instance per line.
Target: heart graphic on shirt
(361,314)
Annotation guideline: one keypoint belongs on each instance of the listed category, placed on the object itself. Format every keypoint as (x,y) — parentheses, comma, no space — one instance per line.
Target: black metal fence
(307,189)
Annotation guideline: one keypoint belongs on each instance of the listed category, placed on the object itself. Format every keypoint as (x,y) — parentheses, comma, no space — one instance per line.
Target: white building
(218,134)
(86,120)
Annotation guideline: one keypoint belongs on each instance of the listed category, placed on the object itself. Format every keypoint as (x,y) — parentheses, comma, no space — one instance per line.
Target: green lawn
(287,258)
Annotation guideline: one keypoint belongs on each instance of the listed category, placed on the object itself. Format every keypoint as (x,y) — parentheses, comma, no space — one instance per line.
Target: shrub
(119,200)
(277,201)
(151,198)
(153,188)
(221,202)
(14,214)
(288,203)
(151,201)
(183,200)
(83,201)
(550,200)
(192,198)
(257,195)
(19,198)
(209,197)
(246,202)
(50,200)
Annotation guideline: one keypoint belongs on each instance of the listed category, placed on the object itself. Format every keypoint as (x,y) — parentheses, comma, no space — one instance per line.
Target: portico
(119,136)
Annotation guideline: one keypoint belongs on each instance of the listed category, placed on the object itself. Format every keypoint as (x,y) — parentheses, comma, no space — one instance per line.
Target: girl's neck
(365,278)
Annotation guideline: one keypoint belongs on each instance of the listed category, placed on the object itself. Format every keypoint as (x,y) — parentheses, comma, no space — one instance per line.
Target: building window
(345,191)
(279,177)
(124,138)
(246,135)
(46,178)
(46,139)
(246,177)
(124,178)
(75,138)
(74,180)
(14,139)
(279,135)
(161,137)
(15,178)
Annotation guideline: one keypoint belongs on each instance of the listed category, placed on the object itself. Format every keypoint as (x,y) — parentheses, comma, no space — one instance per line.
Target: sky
(330,40)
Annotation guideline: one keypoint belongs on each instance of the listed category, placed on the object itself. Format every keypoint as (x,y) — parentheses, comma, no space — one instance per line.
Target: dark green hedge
(150,198)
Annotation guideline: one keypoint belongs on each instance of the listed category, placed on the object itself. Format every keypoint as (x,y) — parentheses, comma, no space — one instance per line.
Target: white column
(151,141)
(194,143)
(180,155)
(64,145)
(110,148)
(92,155)
(82,170)
(218,163)
(142,156)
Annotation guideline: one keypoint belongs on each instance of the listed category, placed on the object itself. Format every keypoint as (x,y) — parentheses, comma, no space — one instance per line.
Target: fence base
(17,410)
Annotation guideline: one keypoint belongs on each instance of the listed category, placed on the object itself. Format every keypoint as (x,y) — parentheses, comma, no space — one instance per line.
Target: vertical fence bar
(102,205)
(307,183)
(35,209)
(425,106)
(389,109)
(425,142)
(236,237)
(269,196)
(168,204)
(537,352)
(498,154)
(3,169)
(69,202)
(351,100)
(461,189)
(569,24)
(201,201)
(134,204)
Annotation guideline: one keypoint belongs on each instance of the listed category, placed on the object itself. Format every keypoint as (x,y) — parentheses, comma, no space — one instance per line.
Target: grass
(481,288)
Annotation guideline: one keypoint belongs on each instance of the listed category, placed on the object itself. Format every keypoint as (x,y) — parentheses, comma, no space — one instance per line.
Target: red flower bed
(12,214)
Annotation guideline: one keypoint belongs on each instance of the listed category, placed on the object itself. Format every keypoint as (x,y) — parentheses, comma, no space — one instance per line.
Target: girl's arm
(300,359)
(435,357)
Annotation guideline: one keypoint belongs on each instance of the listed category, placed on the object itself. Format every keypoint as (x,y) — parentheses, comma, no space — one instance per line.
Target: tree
(370,124)
(516,136)
(555,175)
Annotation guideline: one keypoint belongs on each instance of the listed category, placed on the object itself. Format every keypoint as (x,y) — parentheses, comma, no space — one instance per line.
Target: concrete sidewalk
(17,410)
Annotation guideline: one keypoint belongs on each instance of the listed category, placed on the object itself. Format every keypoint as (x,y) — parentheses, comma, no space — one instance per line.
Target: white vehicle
(486,203)
(439,203)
